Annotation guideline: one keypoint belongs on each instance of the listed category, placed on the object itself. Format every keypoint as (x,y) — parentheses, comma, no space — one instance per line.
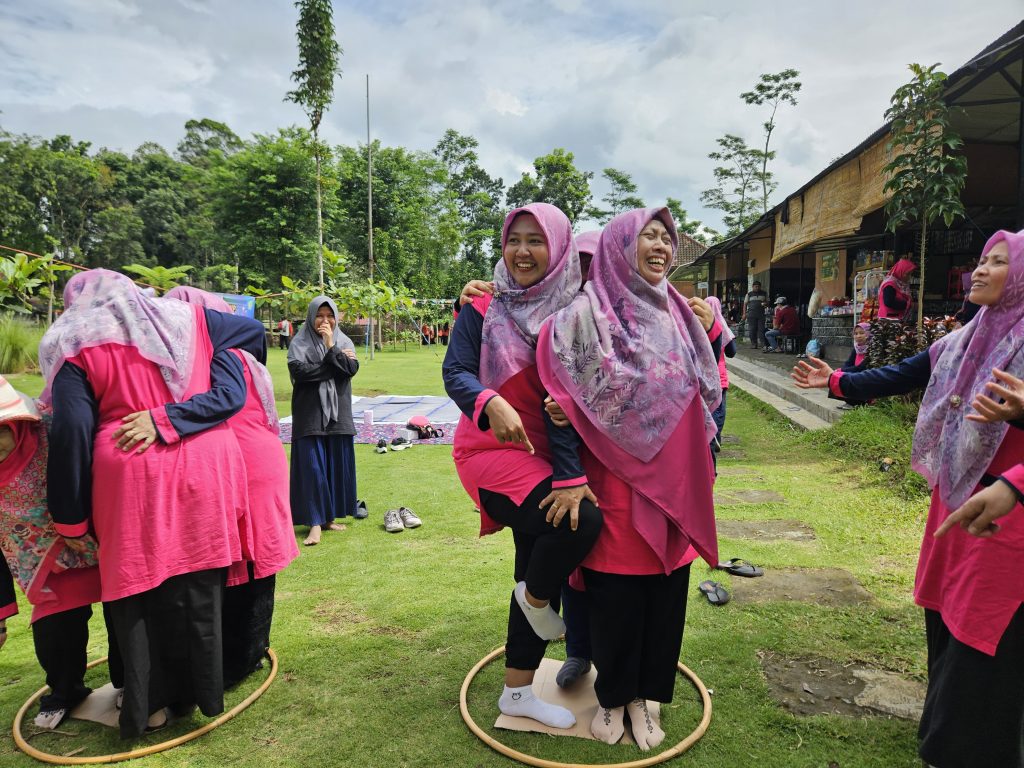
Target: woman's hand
(979,512)
(326,333)
(564,500)
(813,374)
(1011,391)
(558,417)
(349,353)
(505,422)
(703,311)
(475,288)
(137,429)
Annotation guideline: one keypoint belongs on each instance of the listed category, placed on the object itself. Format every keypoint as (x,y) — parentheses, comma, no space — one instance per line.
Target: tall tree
(773,90)
(318,66)
(695,229)
(736,183)
(476,196)
(621,196)
(558,181)
(206,138)
(924,177)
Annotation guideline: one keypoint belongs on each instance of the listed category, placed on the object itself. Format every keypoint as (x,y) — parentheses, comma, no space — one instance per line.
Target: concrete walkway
(767,379)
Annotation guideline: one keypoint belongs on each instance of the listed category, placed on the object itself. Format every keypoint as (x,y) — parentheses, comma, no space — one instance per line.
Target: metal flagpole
(369,206)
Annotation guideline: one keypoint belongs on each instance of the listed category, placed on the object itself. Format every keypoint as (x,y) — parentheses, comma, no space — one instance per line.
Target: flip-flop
(714,592)
(740,567)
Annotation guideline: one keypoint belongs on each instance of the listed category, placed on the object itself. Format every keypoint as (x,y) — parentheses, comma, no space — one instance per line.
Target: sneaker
(382,446)
(399,444)
(408,517)
(361,512)
(393,522)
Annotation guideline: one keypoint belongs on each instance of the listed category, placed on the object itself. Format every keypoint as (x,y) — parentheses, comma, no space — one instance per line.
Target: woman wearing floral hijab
(502,450)
(631,365)
(969,579)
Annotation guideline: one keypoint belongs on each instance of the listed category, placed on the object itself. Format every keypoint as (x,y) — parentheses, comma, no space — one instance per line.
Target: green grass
(19,344)
(375,632)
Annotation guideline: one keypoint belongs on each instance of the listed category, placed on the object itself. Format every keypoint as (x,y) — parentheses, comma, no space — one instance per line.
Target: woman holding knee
(502,451)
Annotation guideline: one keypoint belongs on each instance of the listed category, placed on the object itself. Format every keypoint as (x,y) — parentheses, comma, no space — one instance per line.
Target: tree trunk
(920,288)
(319,209)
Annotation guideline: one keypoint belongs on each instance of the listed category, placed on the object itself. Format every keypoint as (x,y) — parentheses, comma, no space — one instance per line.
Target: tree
(692,227)
(736,181)
(924,179)
(477,198)
(74,190)
(318,66)
(621,196)
(558,181)
(206,140)
(160,277)
(773,90)
(116,238)
(22,184)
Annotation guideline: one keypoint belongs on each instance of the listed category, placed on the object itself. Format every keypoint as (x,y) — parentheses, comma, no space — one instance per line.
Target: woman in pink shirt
(631,366)
(970,582)
(502,450)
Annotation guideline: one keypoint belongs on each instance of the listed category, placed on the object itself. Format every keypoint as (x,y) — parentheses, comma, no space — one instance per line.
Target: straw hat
(14,405)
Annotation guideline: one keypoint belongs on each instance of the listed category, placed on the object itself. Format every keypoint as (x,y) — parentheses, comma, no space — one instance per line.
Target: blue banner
(240,305)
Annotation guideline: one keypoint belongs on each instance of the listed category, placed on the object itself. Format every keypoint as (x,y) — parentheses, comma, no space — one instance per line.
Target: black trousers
(636,632)
(61,642)
(545,556)
(248,613)
(171,646)
(974,710)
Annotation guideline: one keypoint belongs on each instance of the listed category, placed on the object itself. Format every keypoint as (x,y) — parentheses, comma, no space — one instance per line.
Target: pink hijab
(951,452)
(626,360)
(515,316)
(104,307)
(727,334)
(261,380)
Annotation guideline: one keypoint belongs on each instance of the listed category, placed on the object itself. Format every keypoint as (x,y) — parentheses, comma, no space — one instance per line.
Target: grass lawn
(376,631)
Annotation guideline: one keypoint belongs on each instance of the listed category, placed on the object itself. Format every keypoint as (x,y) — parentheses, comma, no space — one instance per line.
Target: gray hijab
(308,347)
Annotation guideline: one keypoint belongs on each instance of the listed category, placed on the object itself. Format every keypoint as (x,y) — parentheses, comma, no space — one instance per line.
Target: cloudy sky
(641,85)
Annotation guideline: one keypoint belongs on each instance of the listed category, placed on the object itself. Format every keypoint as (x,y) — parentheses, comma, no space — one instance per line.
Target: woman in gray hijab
(322,362)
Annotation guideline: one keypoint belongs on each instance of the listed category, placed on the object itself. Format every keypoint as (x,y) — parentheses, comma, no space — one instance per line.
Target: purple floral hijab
(951,452)
(633,355)
(261,380)
(514,318)
(104,307)
(862,349)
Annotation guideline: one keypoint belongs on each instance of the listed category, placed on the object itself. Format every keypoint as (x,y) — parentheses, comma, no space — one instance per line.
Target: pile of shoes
(397,520)
(397,444)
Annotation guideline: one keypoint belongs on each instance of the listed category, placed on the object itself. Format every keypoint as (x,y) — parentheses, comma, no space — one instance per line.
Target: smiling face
(860,336)
(325,315)
(526,251)
(6,442)
(654,251)
(989,276)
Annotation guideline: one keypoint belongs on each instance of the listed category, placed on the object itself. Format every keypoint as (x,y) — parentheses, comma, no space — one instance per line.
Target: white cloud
(638,85)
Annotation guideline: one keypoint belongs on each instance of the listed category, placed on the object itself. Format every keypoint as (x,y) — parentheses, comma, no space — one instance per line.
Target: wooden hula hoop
(522,757)
(46,757)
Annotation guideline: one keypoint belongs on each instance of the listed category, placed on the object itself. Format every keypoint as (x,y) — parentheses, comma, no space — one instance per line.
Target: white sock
(545,622)
(520,702)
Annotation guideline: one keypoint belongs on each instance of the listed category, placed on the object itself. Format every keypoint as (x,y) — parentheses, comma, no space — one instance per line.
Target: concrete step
(814,402)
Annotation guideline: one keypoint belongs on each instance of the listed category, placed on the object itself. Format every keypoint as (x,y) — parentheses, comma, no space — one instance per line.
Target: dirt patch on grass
(732,453)
(751,496)
(766,530)
(338,617)
(744,472)
(821,586)
(825,687)
(730,439)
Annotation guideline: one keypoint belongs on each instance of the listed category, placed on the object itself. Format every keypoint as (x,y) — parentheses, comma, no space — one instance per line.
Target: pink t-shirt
(976,584)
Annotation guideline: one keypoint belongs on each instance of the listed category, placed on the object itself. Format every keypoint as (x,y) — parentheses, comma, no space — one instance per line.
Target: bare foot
(314,537)
(607,724)
(646,732)
(336,527)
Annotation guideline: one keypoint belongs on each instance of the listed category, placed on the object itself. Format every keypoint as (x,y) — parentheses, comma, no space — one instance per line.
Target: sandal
(740,567)
(714,592)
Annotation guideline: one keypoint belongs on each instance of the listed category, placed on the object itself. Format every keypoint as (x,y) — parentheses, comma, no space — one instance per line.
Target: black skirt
(248,612)
(170,645)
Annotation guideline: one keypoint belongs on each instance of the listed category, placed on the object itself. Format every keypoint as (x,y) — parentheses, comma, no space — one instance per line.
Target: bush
(19,344)
(872,433)
(892,341)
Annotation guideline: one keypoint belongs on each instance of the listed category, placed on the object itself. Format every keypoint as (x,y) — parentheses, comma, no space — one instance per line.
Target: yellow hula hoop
(522,757)
(46,757)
